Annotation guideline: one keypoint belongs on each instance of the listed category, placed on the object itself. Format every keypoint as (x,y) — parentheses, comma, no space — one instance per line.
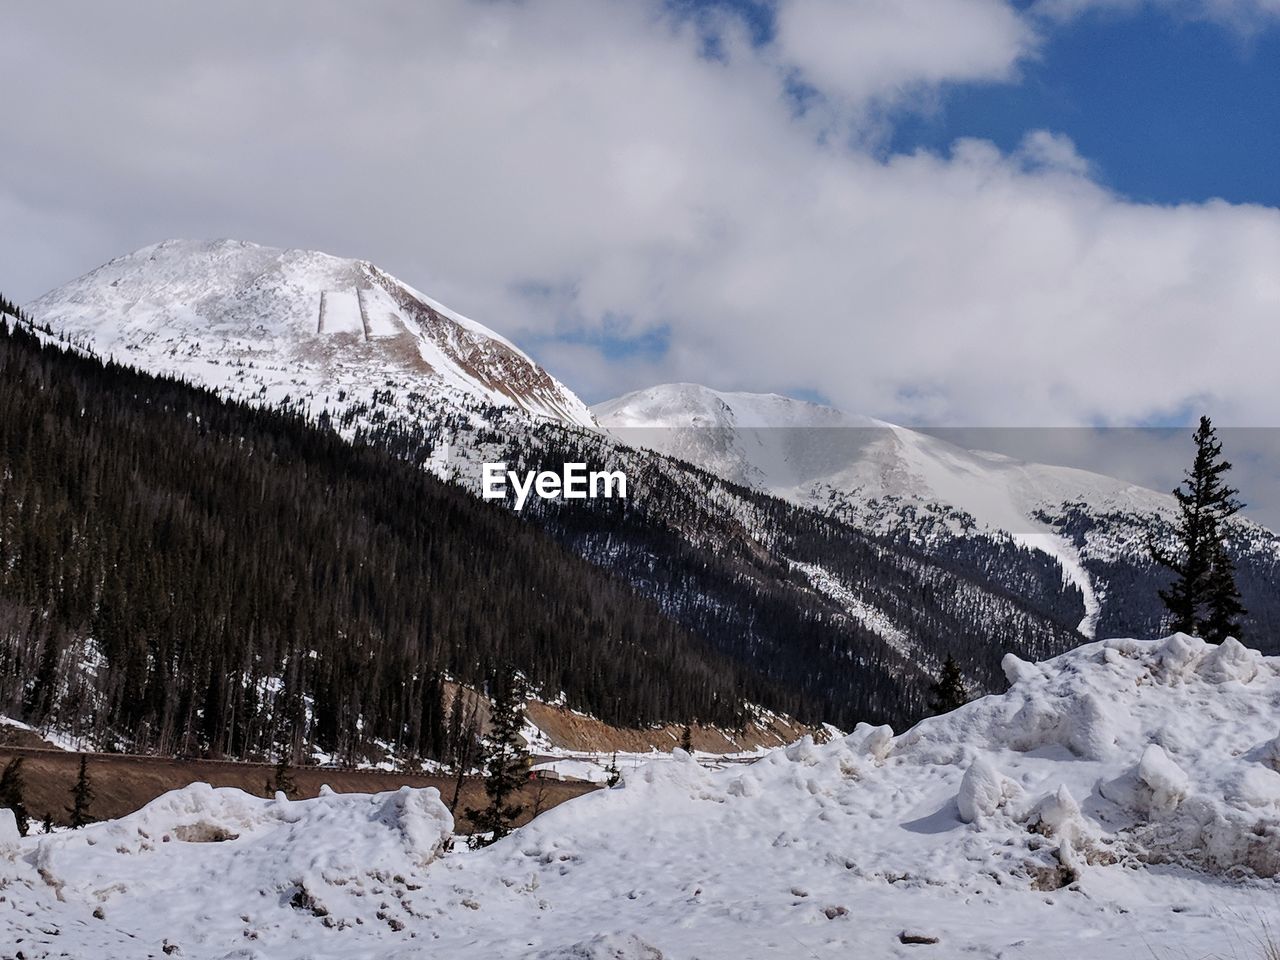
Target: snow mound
(8,830)
(221,858)
(1165,778)
(983,791)
(1118,755)
(1171,744)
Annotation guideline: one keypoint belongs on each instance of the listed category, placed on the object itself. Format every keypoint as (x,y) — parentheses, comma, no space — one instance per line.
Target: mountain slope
(818,621)
(852,625)
(790,447)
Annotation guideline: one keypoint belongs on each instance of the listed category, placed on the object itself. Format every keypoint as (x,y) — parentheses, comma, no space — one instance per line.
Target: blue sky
(587,180)
(1168,109)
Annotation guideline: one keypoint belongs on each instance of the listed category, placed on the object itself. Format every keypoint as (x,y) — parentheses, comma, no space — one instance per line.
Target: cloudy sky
(944,212)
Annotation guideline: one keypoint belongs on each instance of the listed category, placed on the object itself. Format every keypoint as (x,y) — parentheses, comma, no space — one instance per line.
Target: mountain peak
(671,405)
(195,308)
(793,447)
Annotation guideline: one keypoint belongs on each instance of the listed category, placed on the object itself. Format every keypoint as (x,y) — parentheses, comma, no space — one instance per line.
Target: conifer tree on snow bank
(1225,606)
(81,796)
(949,691)
(11,790)
(282,781)
(1203,598)
(506,761)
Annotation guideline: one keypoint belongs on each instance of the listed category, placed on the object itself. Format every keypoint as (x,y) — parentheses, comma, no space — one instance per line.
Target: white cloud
(1046,150)
(1246,15)
(585,147)
(863,49)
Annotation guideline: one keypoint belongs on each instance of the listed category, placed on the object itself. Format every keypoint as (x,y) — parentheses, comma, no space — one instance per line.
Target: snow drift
(220,866)
(1122,797)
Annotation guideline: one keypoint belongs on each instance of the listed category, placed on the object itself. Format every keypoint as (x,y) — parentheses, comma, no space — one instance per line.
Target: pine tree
(1224,606)
(81,796)
(282,781)
(463,733)
(686,739)
(11,790)
(613,774)
(949,691)
(1203,598)
(506,761)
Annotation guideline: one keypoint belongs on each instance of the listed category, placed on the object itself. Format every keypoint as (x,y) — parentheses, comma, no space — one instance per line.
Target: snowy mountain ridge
(813,613)
(343,341)
(802,451)
(328,334)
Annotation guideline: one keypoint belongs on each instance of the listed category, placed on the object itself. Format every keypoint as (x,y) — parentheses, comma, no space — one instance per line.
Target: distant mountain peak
(790,447)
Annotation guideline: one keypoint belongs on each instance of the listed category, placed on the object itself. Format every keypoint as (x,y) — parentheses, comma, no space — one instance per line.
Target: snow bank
(1121,798)
(9,836)
(1091,769)
(1165,778)
(218,865)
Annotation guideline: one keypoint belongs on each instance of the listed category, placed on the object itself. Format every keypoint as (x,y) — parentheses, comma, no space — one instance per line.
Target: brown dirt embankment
(574,731)
(569,730)
(124,783)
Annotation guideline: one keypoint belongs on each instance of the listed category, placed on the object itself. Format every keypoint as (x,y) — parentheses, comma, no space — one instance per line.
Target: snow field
(340,313)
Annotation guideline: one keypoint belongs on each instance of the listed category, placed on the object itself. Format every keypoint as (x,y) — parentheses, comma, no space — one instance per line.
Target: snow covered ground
(1121,800)
(597,766)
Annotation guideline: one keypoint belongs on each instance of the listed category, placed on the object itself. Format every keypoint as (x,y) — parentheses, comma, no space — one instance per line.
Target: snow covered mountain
(833,618)
(1033,555)
(316,331)
(913,486)
(1120,800)
(803,451)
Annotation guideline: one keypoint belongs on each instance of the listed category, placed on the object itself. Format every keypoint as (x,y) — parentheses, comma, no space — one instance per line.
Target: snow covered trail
(1122,799)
